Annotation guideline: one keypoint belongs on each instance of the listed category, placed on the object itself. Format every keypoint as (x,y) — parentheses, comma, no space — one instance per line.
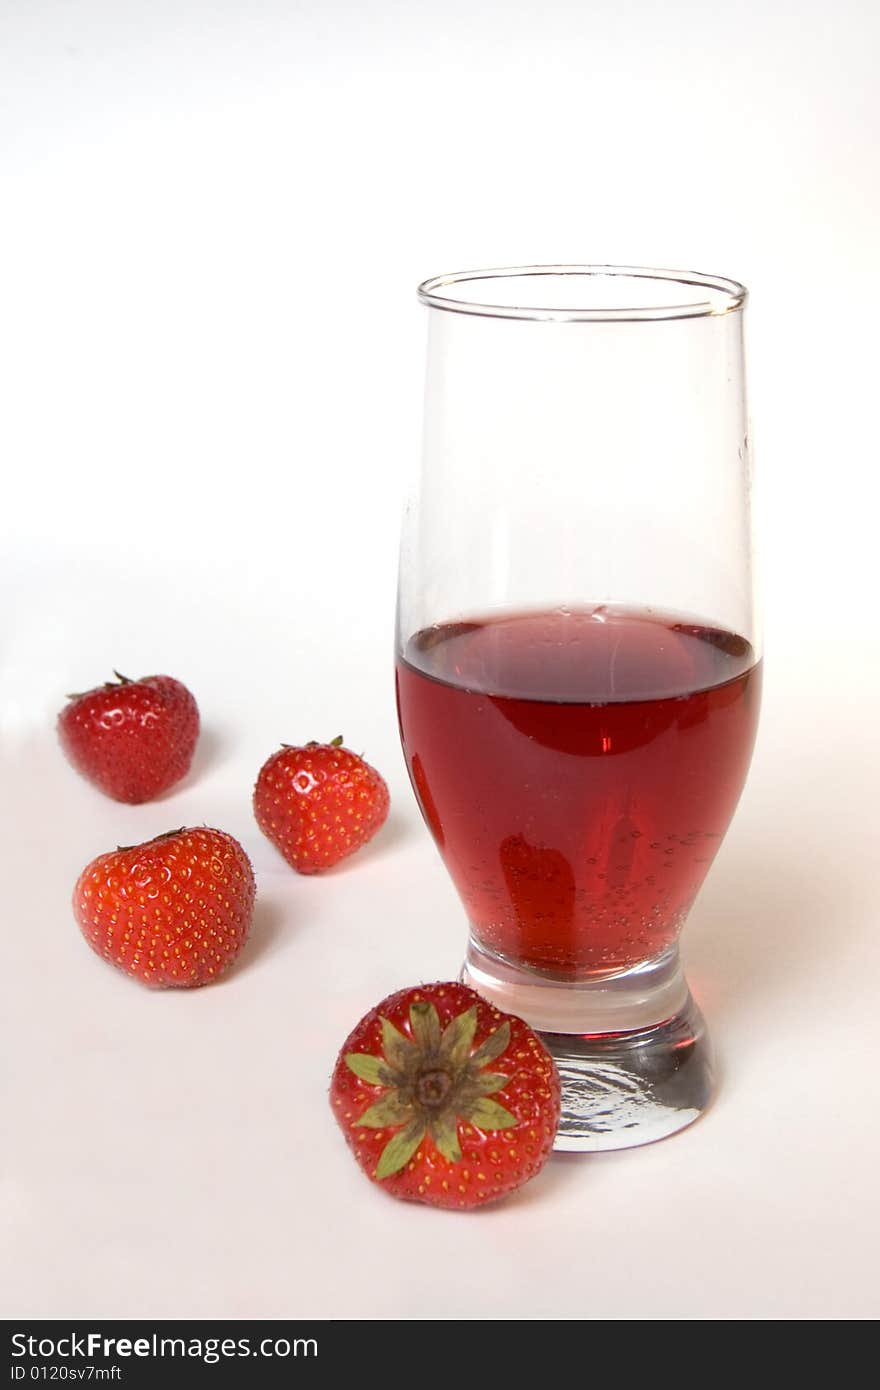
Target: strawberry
(133,739)
(173,912)
(443,1099)
(319,803)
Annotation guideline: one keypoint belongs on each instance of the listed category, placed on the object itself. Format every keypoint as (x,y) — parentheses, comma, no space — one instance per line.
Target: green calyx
(316,743)
(156,840)
(432,1081)
(108,685)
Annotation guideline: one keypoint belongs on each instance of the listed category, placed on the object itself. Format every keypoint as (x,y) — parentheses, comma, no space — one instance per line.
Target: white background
(213,218)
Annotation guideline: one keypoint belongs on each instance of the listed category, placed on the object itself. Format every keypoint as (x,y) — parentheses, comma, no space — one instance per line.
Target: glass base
(632,1051)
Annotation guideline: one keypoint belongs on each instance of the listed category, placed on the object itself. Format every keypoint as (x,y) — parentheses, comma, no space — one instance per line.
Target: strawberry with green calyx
(318,804)
(173,912)
(133,739)
(445,1100)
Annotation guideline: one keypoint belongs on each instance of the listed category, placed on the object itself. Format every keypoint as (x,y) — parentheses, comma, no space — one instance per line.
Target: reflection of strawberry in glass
(540,883)
(427,805)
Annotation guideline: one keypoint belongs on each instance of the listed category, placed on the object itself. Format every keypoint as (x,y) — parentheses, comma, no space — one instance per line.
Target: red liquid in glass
(578,770)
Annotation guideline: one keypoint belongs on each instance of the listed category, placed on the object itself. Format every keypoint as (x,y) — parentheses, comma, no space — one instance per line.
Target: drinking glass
(578,663)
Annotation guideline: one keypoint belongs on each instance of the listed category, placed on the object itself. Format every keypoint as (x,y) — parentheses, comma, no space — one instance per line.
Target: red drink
(578,770)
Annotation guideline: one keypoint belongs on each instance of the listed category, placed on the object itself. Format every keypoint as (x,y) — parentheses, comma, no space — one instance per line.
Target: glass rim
(721,295)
